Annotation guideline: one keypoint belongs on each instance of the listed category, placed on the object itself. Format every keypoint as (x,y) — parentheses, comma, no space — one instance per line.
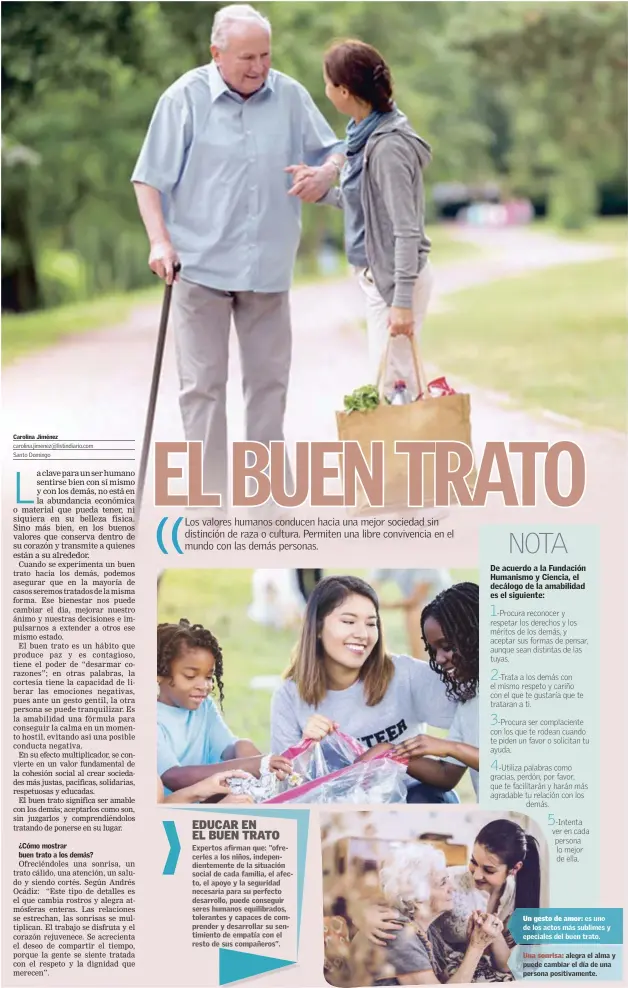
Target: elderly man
(215,191)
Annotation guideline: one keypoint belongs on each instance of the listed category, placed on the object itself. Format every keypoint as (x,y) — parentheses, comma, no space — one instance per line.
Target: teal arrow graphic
(234,965)
(175,847)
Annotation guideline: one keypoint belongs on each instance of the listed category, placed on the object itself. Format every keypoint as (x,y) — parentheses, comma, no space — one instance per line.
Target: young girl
(193,740)
(450,629)
(342,677)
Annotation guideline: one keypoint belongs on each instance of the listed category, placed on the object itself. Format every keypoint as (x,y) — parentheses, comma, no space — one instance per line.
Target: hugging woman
(503,874)
(416,882)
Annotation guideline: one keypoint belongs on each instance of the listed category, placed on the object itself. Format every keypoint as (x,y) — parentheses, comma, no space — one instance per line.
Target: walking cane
(152,399)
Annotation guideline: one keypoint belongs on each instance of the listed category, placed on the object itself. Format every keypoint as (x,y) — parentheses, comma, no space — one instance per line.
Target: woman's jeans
(424,793)
(400,363)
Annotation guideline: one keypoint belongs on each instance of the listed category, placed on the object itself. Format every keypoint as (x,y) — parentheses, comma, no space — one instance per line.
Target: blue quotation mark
(174,536)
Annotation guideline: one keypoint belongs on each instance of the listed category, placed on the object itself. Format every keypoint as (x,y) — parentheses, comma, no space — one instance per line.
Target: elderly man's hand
(310,184)
(162,260)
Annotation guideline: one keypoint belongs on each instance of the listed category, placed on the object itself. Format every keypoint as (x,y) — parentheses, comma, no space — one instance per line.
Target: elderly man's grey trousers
(202,326)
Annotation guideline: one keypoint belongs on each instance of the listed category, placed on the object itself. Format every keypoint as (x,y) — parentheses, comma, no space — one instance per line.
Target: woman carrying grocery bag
(381,192)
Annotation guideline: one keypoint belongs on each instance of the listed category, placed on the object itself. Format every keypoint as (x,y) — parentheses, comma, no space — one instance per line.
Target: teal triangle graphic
(234,965)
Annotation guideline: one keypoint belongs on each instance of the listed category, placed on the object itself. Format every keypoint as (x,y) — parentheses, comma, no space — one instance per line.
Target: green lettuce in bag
(362,399)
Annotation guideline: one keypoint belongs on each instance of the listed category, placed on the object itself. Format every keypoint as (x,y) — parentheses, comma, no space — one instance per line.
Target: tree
(533,94)
(53,61)
(560,71)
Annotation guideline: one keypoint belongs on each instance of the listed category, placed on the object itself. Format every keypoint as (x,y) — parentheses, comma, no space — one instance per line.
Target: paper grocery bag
(447,417)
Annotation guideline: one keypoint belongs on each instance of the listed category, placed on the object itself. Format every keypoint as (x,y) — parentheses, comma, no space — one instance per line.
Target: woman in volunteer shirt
(342,678)
(450,627)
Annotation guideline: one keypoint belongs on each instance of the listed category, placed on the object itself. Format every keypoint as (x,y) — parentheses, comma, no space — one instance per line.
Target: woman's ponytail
(512,845)
(364,72)
(528,878)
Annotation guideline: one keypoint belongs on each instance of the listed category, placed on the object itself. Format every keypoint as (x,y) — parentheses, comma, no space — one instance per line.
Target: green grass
(33,331)
(555,340)
(218,599)
(604,230)
(446,248)
(22,334)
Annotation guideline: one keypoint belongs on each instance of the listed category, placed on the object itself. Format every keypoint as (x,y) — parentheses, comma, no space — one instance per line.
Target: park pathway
(95,385)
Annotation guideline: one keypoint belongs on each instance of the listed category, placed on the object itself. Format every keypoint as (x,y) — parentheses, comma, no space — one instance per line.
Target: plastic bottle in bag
(400,394)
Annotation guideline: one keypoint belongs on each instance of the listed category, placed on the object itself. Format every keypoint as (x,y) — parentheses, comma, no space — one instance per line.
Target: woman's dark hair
(360,68)
(457,610)
(511,844)
(307,668)
(174,639)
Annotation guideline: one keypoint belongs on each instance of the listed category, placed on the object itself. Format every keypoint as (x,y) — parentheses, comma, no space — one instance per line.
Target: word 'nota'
(438,473)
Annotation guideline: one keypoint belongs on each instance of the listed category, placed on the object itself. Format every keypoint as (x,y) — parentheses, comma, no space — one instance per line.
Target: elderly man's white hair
(235,13)
(406,878)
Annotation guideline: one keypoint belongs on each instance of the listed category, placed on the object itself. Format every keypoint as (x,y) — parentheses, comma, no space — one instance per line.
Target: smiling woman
(342,678)
(450,627)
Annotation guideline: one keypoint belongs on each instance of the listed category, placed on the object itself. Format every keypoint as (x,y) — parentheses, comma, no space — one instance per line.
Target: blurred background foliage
(529,95)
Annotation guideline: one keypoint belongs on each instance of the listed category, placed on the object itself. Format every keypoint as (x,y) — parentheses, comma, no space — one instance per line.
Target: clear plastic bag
(332,774)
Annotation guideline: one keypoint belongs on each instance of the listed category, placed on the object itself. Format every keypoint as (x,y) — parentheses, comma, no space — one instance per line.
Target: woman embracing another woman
(503,874)
(416,883)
